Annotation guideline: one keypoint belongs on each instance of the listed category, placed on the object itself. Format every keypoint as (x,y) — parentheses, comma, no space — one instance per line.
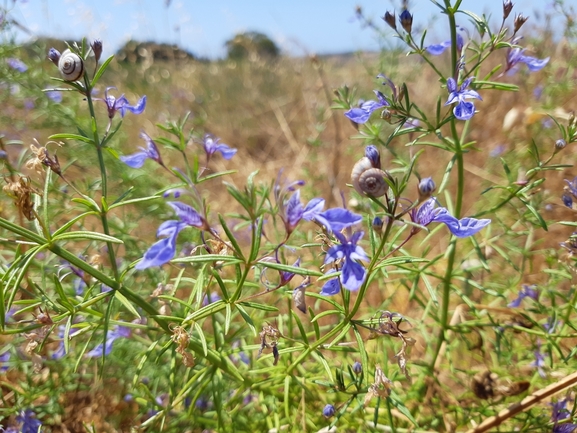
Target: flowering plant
(263,304)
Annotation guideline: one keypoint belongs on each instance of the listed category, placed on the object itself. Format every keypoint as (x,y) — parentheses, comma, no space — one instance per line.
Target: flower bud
(560,145)
(329,410)
(377,225)
(372,153)
(426,188)
(97,49)
(3,154)
(519,21)
(358,367)
(406,20)
(507,8)
(54,55)
(389,18)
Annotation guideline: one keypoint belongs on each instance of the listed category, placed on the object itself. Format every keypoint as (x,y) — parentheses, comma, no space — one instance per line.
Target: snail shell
(369,180)
(71,66)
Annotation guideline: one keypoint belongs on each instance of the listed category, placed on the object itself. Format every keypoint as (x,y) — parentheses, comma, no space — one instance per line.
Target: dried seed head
(519,21)
(389,18)
(507,8)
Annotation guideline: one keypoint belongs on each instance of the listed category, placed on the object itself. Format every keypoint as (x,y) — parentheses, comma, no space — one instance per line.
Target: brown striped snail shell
(71,66)
(369,180)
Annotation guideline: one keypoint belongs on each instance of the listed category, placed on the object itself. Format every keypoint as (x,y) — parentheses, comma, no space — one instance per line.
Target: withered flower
(21,191)
(381,386)
(181,338)
(269,340)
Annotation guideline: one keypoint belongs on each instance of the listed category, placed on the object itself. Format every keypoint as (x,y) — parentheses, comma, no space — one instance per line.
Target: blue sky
(202,27)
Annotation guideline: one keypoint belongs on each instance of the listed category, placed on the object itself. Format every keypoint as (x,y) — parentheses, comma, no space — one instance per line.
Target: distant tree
(244,44)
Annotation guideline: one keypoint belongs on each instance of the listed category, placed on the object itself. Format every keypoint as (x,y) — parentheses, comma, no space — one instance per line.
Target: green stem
(99,146)
(458,200)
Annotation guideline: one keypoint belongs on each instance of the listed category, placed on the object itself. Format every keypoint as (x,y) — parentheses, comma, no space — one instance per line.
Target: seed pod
(71,66)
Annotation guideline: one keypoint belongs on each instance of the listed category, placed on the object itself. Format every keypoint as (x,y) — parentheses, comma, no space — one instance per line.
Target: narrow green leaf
(202,338)
(68,136)
(101,70)
(126,303)
(246,318)
(86,235)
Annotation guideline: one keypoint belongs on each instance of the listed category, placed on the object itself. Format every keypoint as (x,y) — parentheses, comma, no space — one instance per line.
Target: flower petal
(353,275)
(158,254)
(136,160)
(187,214)
(358,115)
(336,219)
(464,110)
(331,287)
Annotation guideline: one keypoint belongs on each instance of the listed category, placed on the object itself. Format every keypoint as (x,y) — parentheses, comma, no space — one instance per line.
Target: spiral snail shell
(367,176)
(71,66)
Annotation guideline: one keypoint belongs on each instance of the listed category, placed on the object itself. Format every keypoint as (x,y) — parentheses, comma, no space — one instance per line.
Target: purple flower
(334,219)
(464,110)
(111,336)
(165,249)
(61,351)
(560,411)
(357,367)
(352,273)
(564,428)
(551,325)
(438,49)
(212,145)
(136,160)
(121,104)
(539,362)
(209,298)
(362,113)
(515,56)
(4,358)
(525,292)
(428,213)
(286,276)
(329,411)
(17,64)
(28,422)
(54,95)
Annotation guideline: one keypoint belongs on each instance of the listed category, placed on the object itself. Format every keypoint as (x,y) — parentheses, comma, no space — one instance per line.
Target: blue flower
(329,411)
(17,64)
(428,213)
(362,113)
(539,362)
(54,95)
(560,413)
(28,421)
(61,351)
(209,298)
(334,219)
(438,49)
(525,292)
(111,337)
(292,211)
(464,109)
(165,249)
(121,104)
(352,273)
(136,160)
(212,145)
(4,358)
(357,367)
(515,56)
